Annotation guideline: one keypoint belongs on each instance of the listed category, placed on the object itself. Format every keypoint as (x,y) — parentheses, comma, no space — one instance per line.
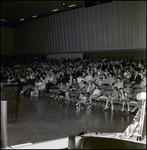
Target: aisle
(42,119)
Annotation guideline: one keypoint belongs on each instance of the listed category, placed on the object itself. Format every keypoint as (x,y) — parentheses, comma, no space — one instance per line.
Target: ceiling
(13,11)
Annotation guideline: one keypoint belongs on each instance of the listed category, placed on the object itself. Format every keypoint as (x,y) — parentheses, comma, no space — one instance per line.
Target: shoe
(122,110)
(105,108)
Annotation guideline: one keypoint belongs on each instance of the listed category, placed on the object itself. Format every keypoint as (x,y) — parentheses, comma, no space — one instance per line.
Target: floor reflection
(43,118)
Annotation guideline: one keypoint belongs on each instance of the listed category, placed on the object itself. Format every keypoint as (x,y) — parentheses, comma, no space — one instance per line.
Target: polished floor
(42,118)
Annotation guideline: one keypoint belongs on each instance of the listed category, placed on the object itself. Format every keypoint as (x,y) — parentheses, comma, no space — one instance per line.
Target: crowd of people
(99,77)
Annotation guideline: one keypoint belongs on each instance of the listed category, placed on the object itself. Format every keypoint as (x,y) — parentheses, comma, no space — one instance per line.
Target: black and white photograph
(73,74)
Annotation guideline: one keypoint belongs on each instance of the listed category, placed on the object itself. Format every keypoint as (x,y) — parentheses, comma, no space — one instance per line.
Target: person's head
(127,70)
(118,79)
(67,83)
(89,82)
(110,75)
(136,71)
(71,77)
(74,80)
(106,69)
(141,71)
(89,73)
(100,78)
(104,76)
(95,74)
(82,82)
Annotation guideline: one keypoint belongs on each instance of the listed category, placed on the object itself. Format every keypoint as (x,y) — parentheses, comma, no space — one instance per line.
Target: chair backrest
(136,86)
(130,95)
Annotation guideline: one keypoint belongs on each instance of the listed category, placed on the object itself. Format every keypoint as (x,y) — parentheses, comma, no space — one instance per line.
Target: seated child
(124,98)
(111,98)
(96,93)
(35,92)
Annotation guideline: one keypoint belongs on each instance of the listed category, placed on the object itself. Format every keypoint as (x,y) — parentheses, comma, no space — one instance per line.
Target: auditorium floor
(42,119)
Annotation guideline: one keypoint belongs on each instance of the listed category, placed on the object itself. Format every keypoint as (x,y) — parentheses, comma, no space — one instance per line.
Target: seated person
(118,84)
(89,90)
(143,81)
(88,77)
(35,92)
(124,98)
(96,93)
(29,84)
(135,78)
(51,81)
(111,98)
(110,79)
(73,89)
(40,85)
(127,74)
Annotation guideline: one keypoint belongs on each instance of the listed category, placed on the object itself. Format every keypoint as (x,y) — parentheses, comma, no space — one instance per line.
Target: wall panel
(73,36)
(7,41)
(142,24)
(114,26)
(83,30)
(111,26)
(106,27)
(97,29)
(122,22)
(135,19)
(128,18)
(101,29)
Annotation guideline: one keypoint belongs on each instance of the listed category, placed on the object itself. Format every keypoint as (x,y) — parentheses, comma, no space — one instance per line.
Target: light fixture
(72,5)
(22,19)
(3,20)
(34,16)
(55,10)
(63,4)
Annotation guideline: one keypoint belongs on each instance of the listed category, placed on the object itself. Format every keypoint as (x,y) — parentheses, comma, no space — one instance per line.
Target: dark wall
(107,53)
(119,25)
(7,41)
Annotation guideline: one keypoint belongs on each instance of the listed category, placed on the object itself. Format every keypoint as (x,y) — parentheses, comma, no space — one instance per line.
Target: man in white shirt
(88,77)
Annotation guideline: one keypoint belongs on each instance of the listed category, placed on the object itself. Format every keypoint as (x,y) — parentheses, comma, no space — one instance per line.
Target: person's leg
(128,105)
(137,106)
(47,87)
(67,95)
(26,87)
(107,101)
(123,105)
(111,104)
(89,99)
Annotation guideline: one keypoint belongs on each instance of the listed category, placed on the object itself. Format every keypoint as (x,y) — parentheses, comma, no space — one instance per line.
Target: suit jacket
(137,79)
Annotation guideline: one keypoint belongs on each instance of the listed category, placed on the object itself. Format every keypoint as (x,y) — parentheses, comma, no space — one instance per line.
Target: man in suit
(135,78)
